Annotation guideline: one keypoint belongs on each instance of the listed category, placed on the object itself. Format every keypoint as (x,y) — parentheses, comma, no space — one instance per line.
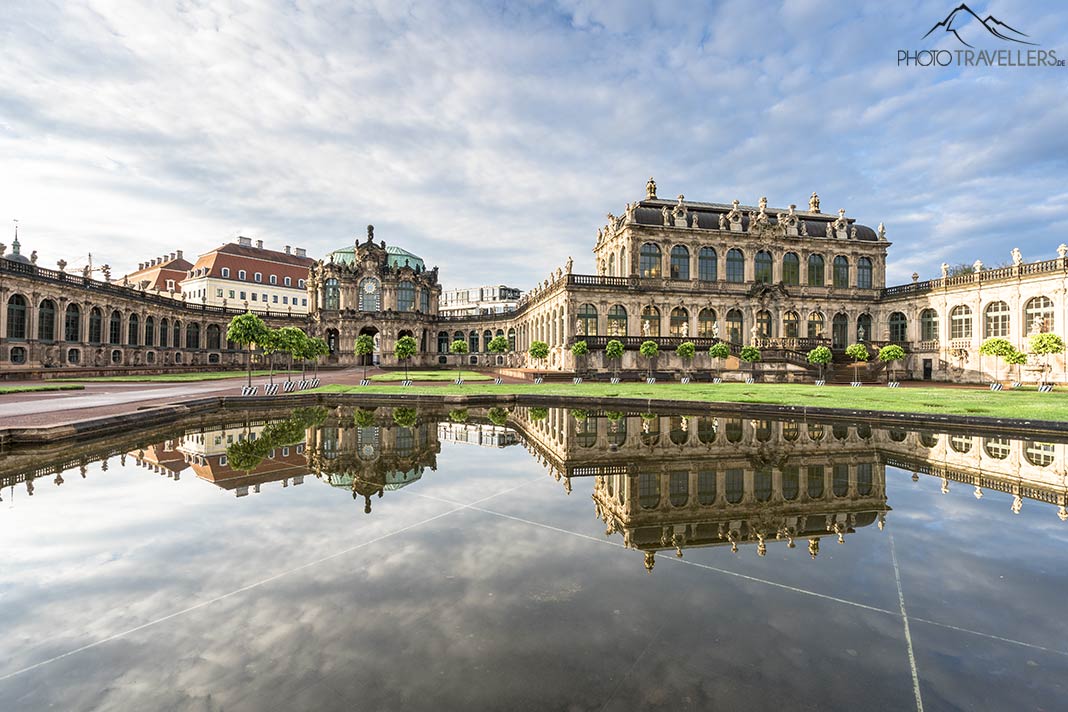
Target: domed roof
(395,257)
(15,255)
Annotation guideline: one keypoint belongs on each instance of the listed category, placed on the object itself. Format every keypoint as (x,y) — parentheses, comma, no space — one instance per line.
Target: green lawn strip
(430,376)
(44,387)
(176,377)
(1023,404)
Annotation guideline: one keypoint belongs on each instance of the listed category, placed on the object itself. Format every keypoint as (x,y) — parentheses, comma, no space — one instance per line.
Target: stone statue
(814,203)
(788,221)
(62,264)
(715,330)
(1017,258)
(693,222)
(882,231)
(841,224)
(763,204)
(722,221)
(106,269)
(628,214)
(569,264)
(645,327)
(1037,325)
(753,334)
(666,214)
(853,233)
(804,228)
(600,236)
(685,329)
(370,234)
(3,247)
(945,270)
(612,220)
(679,212)
(86,272)
(734,217)
(860,333)
(915,277)
(650,190)
(33,257)
(830,229)
(1062,251)
(977,266)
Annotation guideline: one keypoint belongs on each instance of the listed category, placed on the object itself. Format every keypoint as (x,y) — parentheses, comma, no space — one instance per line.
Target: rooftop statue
(882,231)
(1062,251)
(1017,257)
(814,203)
(666,215)
(945,270)
(650,190)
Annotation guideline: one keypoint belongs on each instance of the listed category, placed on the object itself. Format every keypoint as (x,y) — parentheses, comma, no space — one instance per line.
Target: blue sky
(492,138)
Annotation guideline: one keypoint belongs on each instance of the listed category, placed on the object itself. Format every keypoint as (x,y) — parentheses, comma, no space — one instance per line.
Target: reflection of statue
(861,333)
(1017,258)
(650,190)
(814,203)
(1037,325)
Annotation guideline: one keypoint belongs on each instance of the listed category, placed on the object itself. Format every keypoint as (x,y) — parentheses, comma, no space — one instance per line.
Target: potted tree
(749,354)
(649,350)
(539,351)
(1017,359)
(365,346)
(998,348)
(686,351)
(613,351)
(859,354)
(291,338)
(404,349)
(1043,345)
(246,329)
(891,354)
(820,356)
(459,347)
(498,346)
(719,351)
(580,350)
(317,349)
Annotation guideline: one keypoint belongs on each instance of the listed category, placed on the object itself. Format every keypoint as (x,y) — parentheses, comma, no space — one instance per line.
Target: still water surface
(536,559)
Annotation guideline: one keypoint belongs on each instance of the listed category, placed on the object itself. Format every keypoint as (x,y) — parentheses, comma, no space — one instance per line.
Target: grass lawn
(1026,404)
(43,387)
(176,377)
(430,376)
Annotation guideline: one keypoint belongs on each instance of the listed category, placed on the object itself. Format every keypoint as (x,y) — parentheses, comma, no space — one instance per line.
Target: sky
(492,138)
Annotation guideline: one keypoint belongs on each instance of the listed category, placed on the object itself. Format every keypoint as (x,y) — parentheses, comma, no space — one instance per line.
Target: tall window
(1038,314)
(46,321)
(960,322)
(370,299)
(735,266)
(16,317)
(192,336)
(899,327)
(115,328)
(176,333)
(150,331)
(790,321)
(612,265)
(133,330)
(511,339)
(791,269)
(864,273)
(815,270)
(996,321)
(864,327)
(815,325)
(96,326)
(331,294)
(405,296)
(72,323)
(734,326)
(650,321)
(763,322)
(706,264)
(617,321)
(214,334)
(587,320)
(649,261)
(679,323)
(841,272)
(706,323)
(929,325)
(680,262)
(840,331)
(163,327)
(762,267)
(424,300)
(472,343)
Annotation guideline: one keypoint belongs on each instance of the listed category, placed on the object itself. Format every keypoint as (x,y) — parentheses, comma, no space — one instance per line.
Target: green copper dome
(395,256)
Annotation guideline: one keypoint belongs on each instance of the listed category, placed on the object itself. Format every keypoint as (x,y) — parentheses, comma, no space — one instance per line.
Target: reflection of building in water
(163,458)
(374,459)
(476,434)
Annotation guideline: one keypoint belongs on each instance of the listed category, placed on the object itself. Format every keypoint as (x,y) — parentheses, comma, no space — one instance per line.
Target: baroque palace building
(783,279)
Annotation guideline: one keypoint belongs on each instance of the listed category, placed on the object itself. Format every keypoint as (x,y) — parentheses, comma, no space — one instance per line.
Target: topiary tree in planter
(245,330)
(580,350)
(820,356)
(458,415)
(404,349)
(720,351)
(405,417)
(498,416)
(1043,345)
(365,346)
(538,413)
(1017,359)
(749,354)
(686,351)
(613,351)
(459,347)
(890,354)
(998,348)
(649,350)
(539,351)
(859,354)
(364,418)
(498,346)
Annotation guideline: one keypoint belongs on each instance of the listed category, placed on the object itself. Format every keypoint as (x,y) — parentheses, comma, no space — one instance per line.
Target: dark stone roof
(648,213)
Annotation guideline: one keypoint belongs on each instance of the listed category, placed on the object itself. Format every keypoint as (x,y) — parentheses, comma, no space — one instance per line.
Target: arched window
(735,485)
(791,482)
(735,266)
(16,317)
(734,326)
(133,330)
(472,343)
(706,487)
(1038,315)
(115,328)
(176,333)
(164,325)
(424,300)
(864,273)
(840,331)
(996,321)
(511,339)
(487,336)
(764,323)
(706,265)
(72,323)
(814,475)
(649,261)
(864,328)
(443,342)
(192,336)
(815,270)
(370,299)
(679,324)
(648,490)
(1039,454)
(678,488)
(680,262)
(331,295)
(929,325)
(405,296)
(612,265)
(706,323)
(790,325)
(762,484)
(214,334)
(150,331)
(840,480)
(46,321)
(960,322)
(791,269)
(997,448)
(650,321)
(841,272)
(899,327)
(815,325)
(587,320)
(617,321)
(960,443)
(762,267)
(96,326)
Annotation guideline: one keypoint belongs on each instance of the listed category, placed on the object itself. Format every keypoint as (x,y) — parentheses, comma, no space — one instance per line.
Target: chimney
(140,266)
(287,249)
(172,256)
(301,252)
(259,244)
(179,253)
(244,241)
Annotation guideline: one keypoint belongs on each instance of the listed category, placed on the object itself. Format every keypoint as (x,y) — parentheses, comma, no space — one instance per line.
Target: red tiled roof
(252,259)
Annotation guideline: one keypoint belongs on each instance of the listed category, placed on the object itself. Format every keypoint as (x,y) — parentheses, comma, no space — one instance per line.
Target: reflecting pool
(536,558)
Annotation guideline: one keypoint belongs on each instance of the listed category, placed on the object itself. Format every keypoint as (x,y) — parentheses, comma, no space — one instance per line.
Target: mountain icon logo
(959,21)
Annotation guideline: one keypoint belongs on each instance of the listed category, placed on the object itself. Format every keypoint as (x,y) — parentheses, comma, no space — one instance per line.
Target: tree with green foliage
(749,354)
(292,339)
(538,413)
(270,344)
(317,348)
(580,414)
(1043,345)
(498,416)
(246,330)
(820,356)
(649,350)
(404,349)
(460,348)
(580,350)
(364,418)
(998,348)
(539,351)
(686,351)
(498,346)
(891,354)
(613,351)
(458,415)
(859,354)
(1017,359)
(719,351)
(405,417)
(365,346)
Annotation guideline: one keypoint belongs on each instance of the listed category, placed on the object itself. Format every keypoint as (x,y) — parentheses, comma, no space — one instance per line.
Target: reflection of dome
(15,255)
